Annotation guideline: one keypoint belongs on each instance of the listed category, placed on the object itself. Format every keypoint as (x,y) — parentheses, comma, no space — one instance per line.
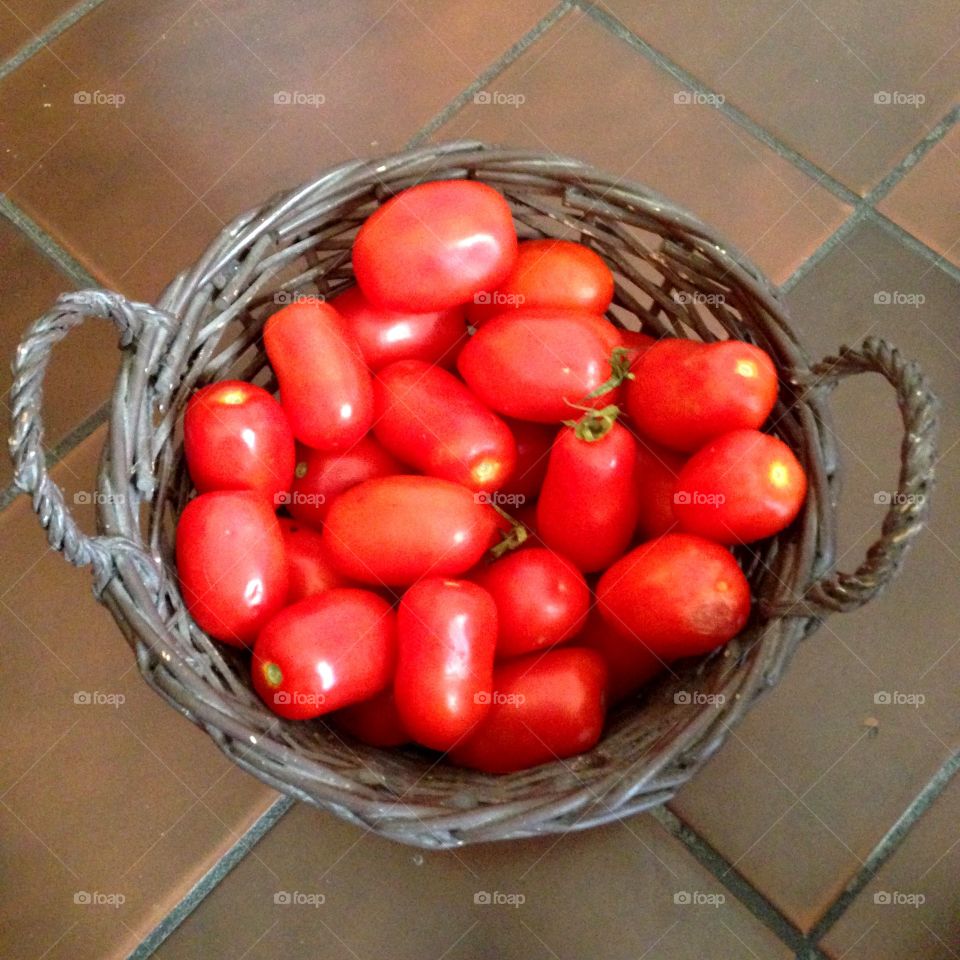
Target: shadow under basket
(675,277)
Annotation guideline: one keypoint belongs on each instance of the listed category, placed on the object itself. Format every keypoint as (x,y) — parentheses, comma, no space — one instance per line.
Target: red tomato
(684,393)
(630,665)
(541,597)
(533,365)
(429,418)
(637,342)
(325,387)
(533,442)
(549,273)
(544,707)
(677,596)
(655,480)
(395,530)
(374,721)
(446,637)
(741,487)
(308,566)
(321,477)
(236,437)
(385,336)
(587,508)
(324,653)
(434,245)
(231,563)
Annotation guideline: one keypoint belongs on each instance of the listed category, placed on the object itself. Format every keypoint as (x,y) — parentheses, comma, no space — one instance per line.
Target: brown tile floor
(132,800)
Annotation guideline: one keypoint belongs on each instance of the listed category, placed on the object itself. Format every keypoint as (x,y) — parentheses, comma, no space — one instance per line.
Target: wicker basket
(675,276)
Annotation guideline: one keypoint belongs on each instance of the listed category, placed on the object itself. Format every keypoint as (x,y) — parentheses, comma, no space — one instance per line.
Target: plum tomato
(374,721)
(385,336)
(236,437)
(677,596)
(320,477)
(429,418)
(549,273)
(446,638)
(325,386)
(433,246)
(684,393)
(325,652)
(655,481)
(542,599)
(394,530)
(742,486)
(308,566)
(533,441)
(231,563)
(544,707)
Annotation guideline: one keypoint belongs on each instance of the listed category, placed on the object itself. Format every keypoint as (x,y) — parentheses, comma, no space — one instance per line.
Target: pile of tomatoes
(479,512)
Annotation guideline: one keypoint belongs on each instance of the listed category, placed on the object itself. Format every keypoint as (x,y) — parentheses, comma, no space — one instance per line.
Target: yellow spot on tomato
(722,586)
(233,396)
(746,368)
(779,473)
(484,470)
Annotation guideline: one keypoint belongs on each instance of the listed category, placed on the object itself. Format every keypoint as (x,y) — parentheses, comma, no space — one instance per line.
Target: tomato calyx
(620,362)
(509,541)
(272,674)
(594,424)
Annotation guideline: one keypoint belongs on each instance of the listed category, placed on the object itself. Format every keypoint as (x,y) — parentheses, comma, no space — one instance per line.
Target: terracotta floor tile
(809,70)
(21,21)
(380,898)
(911,908)
(105,789)
(802,792)
(137,187)
(83,367)
(13,33)
(587,94)
(927,201)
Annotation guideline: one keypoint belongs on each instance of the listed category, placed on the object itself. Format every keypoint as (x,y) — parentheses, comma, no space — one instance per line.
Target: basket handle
(26,439)
(909,506)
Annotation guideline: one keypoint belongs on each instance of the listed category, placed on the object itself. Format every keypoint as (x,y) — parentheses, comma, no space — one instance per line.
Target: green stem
(620,362)
(594,424)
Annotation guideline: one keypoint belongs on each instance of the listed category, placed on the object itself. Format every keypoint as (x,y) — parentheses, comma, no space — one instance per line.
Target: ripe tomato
(321,477)
(433,246)
(385,336)
(324,653)
(231,563)
(429,418)
(549,273)
(655,480)
(741,487)
(541,597)
(395,530)
(374,721)
(587,508)
(684,393)
(544,707)
(236,437)
(533,441)
(325,387)
(637,342)
(678,596)
(308,566)
(446,637)
(534,364)
(630,665)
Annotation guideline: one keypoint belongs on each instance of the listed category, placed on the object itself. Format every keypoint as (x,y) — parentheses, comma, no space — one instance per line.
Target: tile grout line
(735,882)
(887,846)
(60,25)
(211,879)
(493,71)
